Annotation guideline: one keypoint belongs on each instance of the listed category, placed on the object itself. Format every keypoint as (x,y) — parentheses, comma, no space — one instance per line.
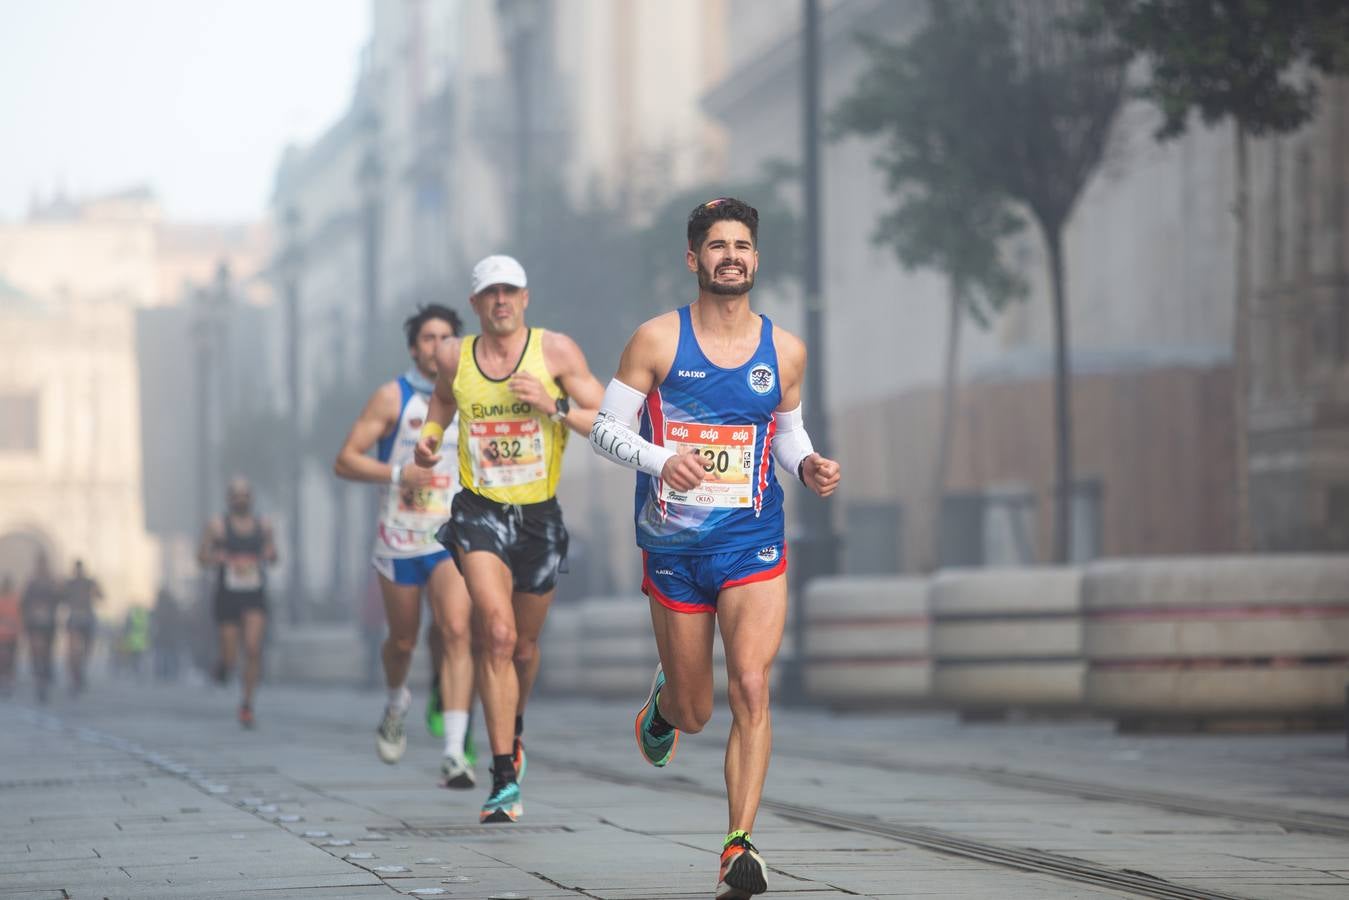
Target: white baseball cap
(497,269)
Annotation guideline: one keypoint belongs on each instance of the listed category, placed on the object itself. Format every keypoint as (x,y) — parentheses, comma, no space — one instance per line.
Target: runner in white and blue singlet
(717,389)
(415,502)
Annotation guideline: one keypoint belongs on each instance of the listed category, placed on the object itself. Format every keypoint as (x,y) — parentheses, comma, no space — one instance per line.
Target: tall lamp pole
(816,548)
(519,21)
(369,179)
(201,337)
(292,260)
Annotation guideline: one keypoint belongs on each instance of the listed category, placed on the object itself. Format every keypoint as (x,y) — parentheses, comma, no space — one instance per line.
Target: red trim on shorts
(766,575)
(649,588)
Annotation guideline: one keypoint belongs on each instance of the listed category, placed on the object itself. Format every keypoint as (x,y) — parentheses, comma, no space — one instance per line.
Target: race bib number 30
(727,452)
(506,453)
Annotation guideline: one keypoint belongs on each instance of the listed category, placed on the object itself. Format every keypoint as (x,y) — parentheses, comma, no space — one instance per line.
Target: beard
(707,284)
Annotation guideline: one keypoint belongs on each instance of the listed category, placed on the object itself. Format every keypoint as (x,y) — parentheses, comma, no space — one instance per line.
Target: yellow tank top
(509,452)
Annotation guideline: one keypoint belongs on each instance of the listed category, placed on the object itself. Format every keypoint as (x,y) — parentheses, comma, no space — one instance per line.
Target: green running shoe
(435,717)
(656,750)
(470,748)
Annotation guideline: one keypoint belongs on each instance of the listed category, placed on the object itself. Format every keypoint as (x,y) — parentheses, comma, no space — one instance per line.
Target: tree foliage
(1251,60)
(944,219)
(993,106)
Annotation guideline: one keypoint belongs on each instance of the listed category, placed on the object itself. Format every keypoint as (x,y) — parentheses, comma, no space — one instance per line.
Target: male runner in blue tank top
(718,391)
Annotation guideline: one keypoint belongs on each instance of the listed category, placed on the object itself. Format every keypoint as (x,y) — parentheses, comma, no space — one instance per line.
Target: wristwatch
(563,407)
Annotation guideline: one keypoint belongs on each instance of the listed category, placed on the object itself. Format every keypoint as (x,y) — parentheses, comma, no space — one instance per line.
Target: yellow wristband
(433,430)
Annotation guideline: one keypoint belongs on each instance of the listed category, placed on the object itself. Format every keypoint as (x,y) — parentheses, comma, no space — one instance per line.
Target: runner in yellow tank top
(510,451)
(517,390)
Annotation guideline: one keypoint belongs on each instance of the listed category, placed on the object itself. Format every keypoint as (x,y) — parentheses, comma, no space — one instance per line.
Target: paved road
(150,791)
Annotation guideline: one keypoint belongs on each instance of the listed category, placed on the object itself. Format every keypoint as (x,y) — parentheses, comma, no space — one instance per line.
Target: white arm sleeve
(613,436)
(791,443)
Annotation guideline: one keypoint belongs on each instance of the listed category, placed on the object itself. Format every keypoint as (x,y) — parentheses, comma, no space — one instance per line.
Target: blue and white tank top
(726,415)
(409,517)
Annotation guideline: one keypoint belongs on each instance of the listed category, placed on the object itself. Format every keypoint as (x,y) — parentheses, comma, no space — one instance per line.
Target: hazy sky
(196,98)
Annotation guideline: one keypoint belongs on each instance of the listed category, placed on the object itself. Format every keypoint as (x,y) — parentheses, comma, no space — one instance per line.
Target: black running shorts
(529,538)
(229,606)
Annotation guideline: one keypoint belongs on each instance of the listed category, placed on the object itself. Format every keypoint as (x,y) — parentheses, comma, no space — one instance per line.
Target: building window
(18,422)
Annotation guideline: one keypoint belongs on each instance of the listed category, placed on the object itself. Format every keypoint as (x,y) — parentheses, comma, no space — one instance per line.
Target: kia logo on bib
(761,379)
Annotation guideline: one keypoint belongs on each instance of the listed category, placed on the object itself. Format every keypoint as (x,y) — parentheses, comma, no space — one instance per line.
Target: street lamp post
(201,338)
(815,551)
(520,21)
(208,317)
(369,180)
(292,259)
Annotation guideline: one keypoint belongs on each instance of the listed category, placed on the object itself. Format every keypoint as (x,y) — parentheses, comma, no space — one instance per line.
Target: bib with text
(243,573)
(727,453)
(420,509)
(506,453)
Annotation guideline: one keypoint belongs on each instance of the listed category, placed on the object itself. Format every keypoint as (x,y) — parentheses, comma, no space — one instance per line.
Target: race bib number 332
(727,453)
(506,453)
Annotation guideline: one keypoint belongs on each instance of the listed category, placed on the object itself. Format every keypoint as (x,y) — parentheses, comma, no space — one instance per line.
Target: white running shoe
(457,772)
(390,739)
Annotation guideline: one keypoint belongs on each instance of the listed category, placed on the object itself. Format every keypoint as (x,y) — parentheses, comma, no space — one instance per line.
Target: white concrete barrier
(1217,636)
(1007,638)
(617,649)
(318,654)
(867,640)
(603,646)
(560,647)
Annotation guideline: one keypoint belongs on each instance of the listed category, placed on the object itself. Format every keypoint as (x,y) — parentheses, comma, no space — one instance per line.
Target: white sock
(400,698)
(456,726)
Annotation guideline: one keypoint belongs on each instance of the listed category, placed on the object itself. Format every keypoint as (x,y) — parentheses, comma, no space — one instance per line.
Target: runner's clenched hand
(821,475)
(683,471)
(427,452)
(415,476)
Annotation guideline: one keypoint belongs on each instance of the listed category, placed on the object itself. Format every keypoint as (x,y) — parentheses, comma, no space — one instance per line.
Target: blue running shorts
(690,583)
(414,570)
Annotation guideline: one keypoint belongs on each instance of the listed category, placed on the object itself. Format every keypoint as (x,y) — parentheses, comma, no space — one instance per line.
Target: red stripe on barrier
(1298,611)
(870,660)
(1230,662)
(869,621)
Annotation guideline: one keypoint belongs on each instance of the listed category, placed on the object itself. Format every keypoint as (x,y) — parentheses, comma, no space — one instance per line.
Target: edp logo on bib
(761,379)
